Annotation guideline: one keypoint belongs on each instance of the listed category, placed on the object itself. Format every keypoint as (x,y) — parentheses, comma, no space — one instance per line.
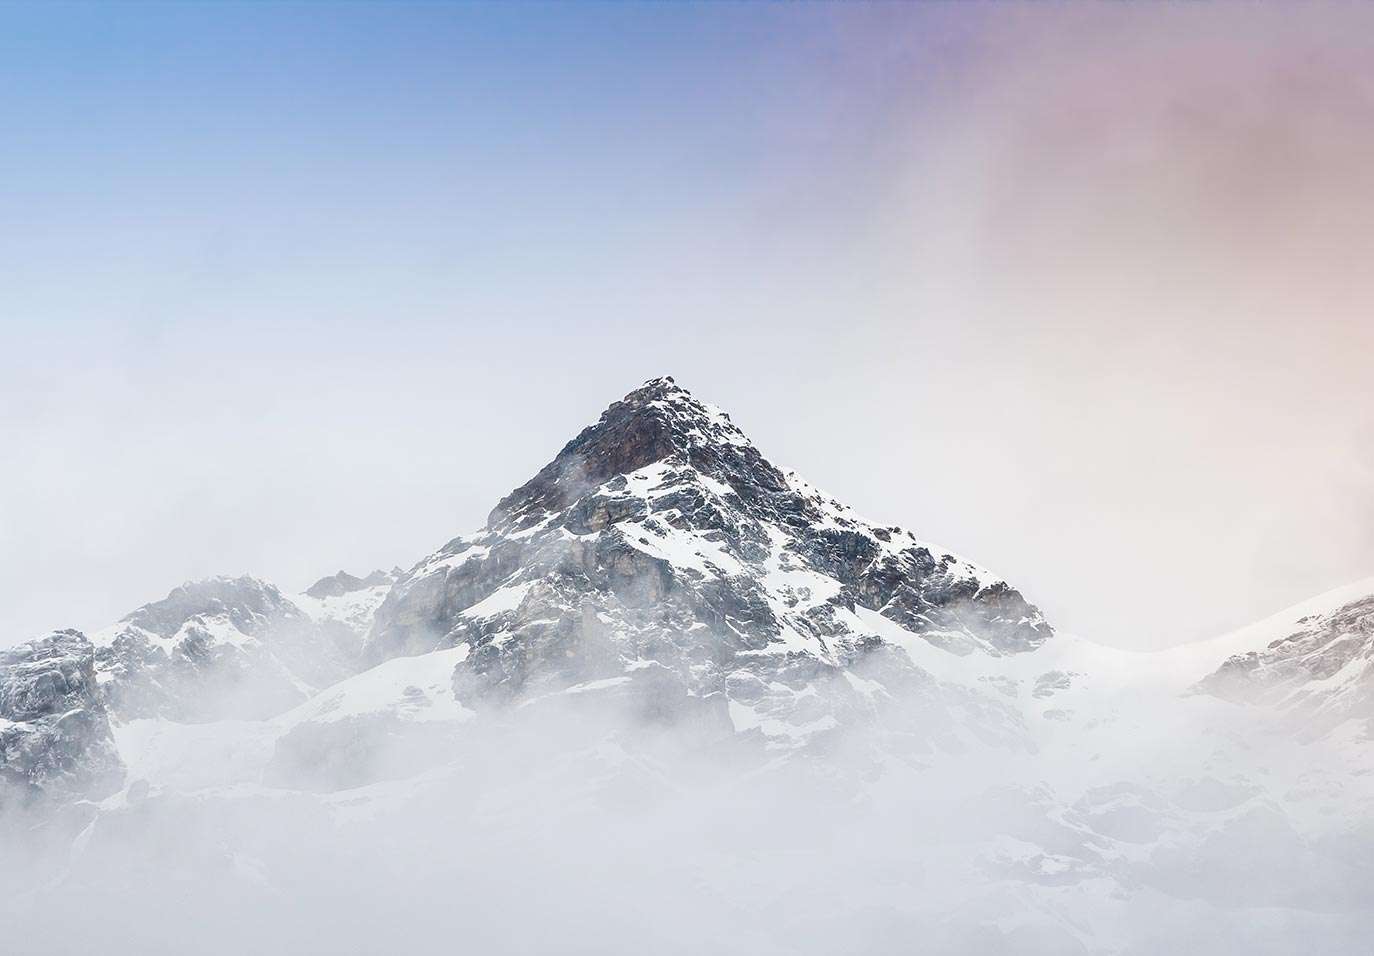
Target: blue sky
(288,287)
(232,166)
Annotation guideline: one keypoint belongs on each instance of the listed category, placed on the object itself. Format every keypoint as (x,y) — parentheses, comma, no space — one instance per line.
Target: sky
(1081,291)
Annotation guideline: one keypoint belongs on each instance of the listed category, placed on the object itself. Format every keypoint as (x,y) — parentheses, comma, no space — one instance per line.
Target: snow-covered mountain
(661,550)
(667,661)
(665,505)
(659,561)
(662,562)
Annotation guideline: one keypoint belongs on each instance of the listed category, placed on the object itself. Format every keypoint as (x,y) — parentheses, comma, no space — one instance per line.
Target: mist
(607,790)
(573,824)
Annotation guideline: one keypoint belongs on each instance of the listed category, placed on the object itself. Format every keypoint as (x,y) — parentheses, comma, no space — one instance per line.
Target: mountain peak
(663,397)
(663,385)
(657,421)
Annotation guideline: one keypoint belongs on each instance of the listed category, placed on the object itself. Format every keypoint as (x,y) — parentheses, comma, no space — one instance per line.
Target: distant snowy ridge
(1313,662)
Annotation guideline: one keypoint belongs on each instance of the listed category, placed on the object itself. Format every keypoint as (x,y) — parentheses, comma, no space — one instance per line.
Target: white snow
(416,688)
(499,601)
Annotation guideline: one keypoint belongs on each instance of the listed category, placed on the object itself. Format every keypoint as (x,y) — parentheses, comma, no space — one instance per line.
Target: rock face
(1321,673)
(223,647)
(54,733)
(660,540)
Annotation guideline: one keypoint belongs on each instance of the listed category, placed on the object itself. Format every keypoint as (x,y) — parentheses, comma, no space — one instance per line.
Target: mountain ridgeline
(659,556)
(659,563)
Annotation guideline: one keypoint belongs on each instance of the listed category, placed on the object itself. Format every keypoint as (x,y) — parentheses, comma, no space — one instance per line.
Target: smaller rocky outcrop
(220,648)
(55,736)
(1052,682)
(1320,674)
(337,585)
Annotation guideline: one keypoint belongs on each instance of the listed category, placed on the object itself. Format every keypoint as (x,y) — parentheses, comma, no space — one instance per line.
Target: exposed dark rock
(1052,682)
